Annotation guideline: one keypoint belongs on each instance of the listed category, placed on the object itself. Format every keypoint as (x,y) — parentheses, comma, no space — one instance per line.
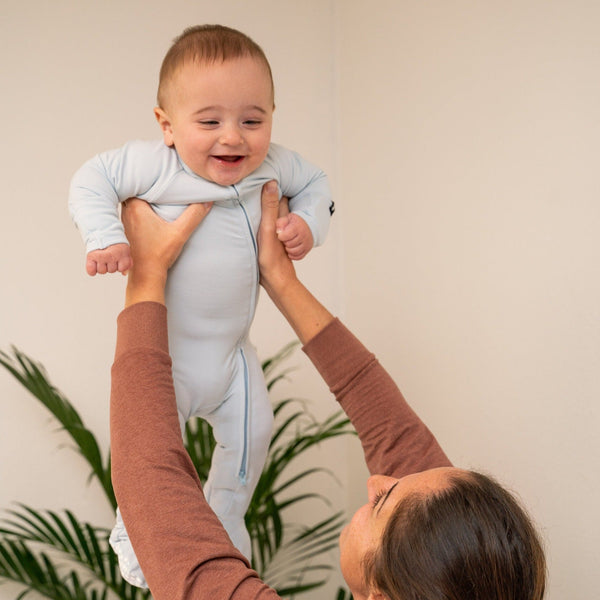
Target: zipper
(253,263)
(244,465)
(247,219)
(243,472)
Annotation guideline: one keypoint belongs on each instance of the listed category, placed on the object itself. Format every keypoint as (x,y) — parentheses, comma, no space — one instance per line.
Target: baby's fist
(295,234)
(109,260)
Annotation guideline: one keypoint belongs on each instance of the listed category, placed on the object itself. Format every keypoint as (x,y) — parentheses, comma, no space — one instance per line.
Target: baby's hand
(109,260)
(295,235)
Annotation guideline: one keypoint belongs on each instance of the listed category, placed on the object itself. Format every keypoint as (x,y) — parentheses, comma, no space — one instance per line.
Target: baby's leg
(128,562)
(242,427)
(121,544)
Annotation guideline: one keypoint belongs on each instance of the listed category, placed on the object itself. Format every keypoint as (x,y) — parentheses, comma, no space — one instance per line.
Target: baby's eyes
(214,122)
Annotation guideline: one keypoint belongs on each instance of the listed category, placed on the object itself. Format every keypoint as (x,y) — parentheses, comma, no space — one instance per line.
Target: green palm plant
(58,556)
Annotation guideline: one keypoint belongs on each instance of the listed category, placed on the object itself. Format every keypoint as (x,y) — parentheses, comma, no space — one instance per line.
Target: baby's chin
(228,171)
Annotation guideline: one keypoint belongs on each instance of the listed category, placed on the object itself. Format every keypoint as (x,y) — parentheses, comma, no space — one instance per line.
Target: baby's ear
(165,125)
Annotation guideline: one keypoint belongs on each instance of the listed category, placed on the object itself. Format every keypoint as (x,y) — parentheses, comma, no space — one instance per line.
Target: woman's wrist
(306,315)
(277,282)
(145,285)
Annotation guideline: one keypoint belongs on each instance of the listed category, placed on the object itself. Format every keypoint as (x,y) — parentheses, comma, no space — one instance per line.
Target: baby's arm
(96,190)
(310,201)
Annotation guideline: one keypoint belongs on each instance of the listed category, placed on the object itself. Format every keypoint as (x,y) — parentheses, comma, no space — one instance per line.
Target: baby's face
(219,116)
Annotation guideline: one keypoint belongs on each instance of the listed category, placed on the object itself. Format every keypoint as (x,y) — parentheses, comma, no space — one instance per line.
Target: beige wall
(461,138)
(471,218)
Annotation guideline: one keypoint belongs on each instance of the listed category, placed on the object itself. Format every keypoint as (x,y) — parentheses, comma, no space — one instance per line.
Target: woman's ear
(165,125)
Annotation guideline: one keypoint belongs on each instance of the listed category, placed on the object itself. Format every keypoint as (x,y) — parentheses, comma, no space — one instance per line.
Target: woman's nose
(373,484)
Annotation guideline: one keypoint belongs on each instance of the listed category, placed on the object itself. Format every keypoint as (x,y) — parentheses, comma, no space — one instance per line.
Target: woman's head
(444,534)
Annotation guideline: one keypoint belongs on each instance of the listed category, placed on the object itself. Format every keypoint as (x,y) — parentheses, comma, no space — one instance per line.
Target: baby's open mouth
(230,159)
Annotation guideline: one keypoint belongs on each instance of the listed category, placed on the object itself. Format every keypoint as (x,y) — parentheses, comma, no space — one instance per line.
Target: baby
(215,108)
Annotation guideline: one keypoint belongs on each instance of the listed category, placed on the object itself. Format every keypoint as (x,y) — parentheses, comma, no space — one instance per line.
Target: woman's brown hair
(469,541)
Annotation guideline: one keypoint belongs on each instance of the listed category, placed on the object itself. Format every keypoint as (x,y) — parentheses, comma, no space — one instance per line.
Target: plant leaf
(83,545)
(59,557)
(33,378)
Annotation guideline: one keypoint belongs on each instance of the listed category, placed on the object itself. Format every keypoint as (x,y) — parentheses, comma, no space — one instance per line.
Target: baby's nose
(231,136)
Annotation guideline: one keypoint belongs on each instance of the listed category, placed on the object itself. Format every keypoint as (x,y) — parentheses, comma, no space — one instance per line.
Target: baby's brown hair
(208,44)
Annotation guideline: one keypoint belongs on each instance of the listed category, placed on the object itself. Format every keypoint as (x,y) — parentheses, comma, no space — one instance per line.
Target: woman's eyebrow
(386,497)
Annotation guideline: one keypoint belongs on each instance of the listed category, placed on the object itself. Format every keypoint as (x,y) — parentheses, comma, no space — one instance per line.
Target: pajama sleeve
(395,441)
(307,187)
(109,178)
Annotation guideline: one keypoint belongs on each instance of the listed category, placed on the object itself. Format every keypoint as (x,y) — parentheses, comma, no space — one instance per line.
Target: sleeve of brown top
(182,548)
(395,441)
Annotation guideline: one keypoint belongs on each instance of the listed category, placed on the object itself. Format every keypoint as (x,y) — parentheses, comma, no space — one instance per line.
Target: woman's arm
(303,311)
(182,547)
(395,441)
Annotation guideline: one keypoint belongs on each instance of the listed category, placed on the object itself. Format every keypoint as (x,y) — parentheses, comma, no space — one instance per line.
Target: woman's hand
(276,269)
(304,313)
(155,246)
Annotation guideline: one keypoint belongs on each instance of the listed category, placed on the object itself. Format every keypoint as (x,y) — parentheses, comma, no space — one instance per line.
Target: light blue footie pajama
(211,297)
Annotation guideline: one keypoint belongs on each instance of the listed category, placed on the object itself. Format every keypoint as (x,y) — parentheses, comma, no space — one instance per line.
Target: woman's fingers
(191,217)
(157,243)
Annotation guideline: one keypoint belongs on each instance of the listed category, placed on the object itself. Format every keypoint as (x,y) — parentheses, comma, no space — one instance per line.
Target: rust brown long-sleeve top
(182,547)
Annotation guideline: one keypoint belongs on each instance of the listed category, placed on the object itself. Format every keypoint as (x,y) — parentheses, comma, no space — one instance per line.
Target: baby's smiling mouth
(230,159)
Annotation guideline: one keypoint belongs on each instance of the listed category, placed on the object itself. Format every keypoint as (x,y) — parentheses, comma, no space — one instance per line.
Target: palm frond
(343,594)
(56,556)
(80,544)
(36,572)
(200,443)
(295,568)
(296,431)
(270,364)
(33,377)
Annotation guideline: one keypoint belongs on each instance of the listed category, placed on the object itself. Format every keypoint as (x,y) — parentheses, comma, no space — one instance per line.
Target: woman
(429,530)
